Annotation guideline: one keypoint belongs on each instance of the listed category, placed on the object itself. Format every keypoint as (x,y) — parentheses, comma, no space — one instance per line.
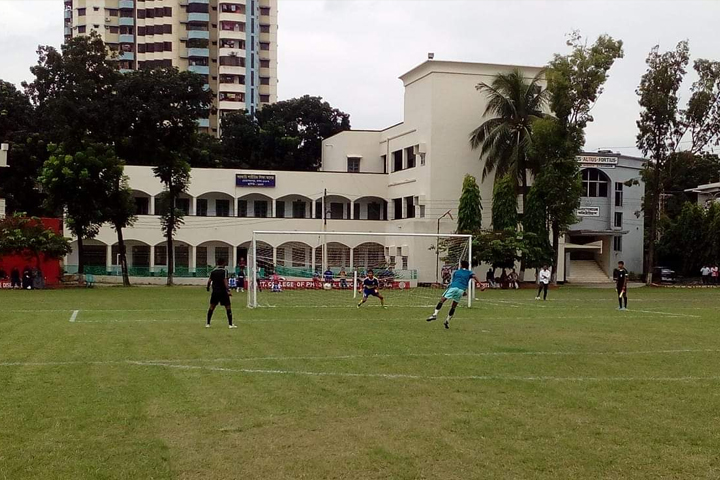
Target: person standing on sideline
(15,278)
(621,277)
(714,274)
(543,282)
(220,293)
(705,272)
(490,278)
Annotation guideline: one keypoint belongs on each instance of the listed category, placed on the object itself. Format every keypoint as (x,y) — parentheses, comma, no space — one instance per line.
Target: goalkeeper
(460,281)
(371,287)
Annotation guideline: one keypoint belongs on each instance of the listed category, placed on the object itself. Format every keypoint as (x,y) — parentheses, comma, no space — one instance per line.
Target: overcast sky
(351,51)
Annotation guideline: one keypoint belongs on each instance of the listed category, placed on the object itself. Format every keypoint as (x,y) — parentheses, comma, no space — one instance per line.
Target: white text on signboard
(588,212)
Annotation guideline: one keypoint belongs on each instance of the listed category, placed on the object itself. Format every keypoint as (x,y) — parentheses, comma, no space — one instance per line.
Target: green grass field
(137,388)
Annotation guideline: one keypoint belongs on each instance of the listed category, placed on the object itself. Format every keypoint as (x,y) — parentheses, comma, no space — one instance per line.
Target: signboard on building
(588,212)
(253,180)
(597,161)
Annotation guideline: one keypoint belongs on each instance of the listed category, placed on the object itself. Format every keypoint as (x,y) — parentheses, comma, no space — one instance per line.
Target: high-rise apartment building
(232,43)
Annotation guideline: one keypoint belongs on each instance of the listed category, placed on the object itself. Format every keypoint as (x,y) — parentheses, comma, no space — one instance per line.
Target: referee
(220,292)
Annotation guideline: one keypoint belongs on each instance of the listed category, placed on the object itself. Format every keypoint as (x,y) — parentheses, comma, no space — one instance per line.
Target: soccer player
(460,280)
(220,293)
(543,282)
(370,288)
(621,277)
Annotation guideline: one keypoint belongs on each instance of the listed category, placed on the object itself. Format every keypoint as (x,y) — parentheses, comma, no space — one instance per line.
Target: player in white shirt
(544,281)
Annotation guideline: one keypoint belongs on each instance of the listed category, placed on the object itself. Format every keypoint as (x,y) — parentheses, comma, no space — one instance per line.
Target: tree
(74,90)
(160,123)
(470,207)
(16,112)
(504,206)
(513,105)
(539,250)
(685,243)
(27,236)
(286,135)
(663,126)
(119,209)
(79,183)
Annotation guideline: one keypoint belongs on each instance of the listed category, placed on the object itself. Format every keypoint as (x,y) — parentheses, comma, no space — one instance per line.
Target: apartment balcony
(203,122)
(68,31)
(68,14)
(198,52)
(198,34)
(126,21)
(126,4)
(230,105)
(201,69)
(126,56)
(232,34)
(126,38)
(231,87)
(126,70)
(198,17)
(229,70)
(199,1)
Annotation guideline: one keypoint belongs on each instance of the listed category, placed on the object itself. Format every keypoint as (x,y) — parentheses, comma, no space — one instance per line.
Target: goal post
(327,269)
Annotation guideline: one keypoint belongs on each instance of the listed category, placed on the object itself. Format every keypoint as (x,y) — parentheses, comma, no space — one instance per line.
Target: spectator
(343,279)
(27,279)
(705,272)
(240,284)
(490,278)
(513,277)
(504,279)
(329,276)
(15,278)
(714,274)
(446,275)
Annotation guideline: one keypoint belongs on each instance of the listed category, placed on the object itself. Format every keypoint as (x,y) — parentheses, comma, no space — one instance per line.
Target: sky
(351,52)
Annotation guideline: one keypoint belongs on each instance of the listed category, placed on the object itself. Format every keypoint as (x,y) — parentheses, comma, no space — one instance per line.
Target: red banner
(318,285)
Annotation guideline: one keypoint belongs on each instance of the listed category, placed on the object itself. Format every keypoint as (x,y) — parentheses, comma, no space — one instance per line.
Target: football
(327,286)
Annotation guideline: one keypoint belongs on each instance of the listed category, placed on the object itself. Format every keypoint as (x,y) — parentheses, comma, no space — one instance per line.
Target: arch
(338,255)
(337,207)
(371,208)
(181,257)
(264,253)
(255,205)
(94,256)
(215,204)
(369,255)
(294,206)
(596,183)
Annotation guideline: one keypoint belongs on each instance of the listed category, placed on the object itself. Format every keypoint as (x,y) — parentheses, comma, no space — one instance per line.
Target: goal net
(327,269)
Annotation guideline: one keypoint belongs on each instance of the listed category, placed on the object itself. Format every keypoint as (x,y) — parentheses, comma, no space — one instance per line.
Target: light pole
(437,244)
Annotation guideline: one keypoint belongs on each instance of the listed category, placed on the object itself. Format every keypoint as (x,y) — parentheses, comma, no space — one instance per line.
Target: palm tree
(513,104)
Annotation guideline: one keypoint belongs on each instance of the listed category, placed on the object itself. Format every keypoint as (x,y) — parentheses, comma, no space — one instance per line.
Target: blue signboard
(253,180)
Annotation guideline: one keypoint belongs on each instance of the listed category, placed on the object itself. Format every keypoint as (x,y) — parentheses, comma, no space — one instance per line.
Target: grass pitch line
(74,315)
(667,313)
(403,376)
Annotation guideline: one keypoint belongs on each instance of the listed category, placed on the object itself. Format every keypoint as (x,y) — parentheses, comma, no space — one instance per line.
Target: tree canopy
(28,237)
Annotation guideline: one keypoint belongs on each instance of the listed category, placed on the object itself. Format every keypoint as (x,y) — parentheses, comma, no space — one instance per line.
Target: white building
(401,179)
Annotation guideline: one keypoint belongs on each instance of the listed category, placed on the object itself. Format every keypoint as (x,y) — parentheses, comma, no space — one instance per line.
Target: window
(410,207)
(264,46)
(141,13)
(221,253)
(167,28)
(202,207)
(397,161)
(161,255)
(82,12)
(265,11)
(595,183)
(264,80)
(264,28)
(422,211)
(150,13)
(183,204)
(617,244)
(410,155)
(298,209)
(242,208)
(353,165)
(142,206)
(383,159)
(114,29)
(232,8)
(618,219)
(141,31)
(167,46)
(232,61)
(158,12)
(336,211)
(112,12)
(232,26)
(261,208)
(404,263)
(168,11)
(222,208)
(397,208)
(356,211)
(373,210)
(280,207)
(97,9)
(618,194)
(82,29)
(264,98)
(318,209)
(264,63)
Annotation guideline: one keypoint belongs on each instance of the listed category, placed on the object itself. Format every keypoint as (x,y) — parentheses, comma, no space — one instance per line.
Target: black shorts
(220,298)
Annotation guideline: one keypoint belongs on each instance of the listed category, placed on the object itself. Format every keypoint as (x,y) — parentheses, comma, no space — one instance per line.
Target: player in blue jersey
(460,281)
(371,286)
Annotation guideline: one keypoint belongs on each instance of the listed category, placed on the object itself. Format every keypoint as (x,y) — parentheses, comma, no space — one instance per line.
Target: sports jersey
(620,277)
(461,278)
(371,284)
(217,278)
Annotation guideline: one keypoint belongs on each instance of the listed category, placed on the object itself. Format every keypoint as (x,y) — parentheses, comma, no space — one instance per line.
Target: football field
(112,383)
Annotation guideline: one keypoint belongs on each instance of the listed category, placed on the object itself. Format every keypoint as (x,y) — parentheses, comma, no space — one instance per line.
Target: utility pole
(324,241)
(3,164)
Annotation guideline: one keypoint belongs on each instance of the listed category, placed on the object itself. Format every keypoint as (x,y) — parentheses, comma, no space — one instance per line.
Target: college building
(232,44)
(406,178)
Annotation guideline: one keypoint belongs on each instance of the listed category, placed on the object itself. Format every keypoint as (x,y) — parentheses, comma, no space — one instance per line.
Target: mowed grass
(137,388)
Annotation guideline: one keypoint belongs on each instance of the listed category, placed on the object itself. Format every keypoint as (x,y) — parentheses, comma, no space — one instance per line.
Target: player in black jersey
(621,280)
(220,293)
